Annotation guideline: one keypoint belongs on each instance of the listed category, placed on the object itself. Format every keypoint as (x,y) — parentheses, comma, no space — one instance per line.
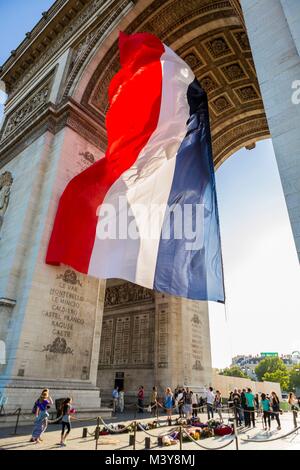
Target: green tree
(279,376)
(269,365)
(234,371)
(295,377)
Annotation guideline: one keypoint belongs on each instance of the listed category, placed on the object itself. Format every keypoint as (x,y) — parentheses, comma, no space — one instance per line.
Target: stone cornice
(53,119)
(65,23)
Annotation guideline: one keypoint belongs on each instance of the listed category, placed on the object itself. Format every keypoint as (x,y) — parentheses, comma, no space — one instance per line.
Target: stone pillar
(182,343)
(292,13)
(273,30)
(51,317)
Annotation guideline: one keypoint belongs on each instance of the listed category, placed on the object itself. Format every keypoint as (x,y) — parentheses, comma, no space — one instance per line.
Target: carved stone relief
(6,181)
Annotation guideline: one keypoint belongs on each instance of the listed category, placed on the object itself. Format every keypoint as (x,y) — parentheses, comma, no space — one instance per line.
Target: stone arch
(210,35)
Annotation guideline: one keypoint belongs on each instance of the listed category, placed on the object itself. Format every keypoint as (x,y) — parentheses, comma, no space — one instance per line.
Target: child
(67,410)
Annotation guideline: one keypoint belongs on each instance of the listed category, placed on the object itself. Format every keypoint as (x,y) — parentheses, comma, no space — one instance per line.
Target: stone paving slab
(121,441)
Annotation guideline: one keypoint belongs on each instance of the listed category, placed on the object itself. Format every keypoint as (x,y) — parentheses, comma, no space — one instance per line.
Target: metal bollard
(17,422)
(131,439)
(134,435)
(180,437)
(295,414)
(84,432)
(160,441)
(97,432)
(235,435)
(147,443)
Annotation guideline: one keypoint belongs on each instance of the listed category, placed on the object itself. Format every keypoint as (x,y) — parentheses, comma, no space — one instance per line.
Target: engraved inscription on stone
(67,320)
(122,337)
(106,342)
(140,353)
(162,346)
(127,340)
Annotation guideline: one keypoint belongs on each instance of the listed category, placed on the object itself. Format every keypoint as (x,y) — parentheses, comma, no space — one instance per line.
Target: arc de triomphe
(73,333)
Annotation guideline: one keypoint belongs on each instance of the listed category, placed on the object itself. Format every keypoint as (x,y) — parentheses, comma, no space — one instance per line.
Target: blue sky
(260,262)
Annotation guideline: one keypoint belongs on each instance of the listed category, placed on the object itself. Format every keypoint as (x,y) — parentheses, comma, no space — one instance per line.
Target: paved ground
(121,441)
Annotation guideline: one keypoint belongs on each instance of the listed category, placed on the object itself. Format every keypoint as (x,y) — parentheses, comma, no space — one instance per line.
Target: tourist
(265,405)
(275,404)
(218,405)
(250,407)
(194,404)
(40,410)
(141,397)
(168,404)
(187,403)
(121,401)
(236,400)
(244,408)
(256,403)
(293,402)
(66,411)
(153,401)
(201,404)
(115,397)
(180,403)
(210,400)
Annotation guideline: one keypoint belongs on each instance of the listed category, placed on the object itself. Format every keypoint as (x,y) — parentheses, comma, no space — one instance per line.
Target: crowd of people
(244,404)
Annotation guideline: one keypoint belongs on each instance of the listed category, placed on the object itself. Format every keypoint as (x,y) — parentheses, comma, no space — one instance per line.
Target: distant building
(248,363)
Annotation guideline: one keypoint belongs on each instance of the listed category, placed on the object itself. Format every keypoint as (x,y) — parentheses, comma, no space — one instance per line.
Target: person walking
(218,405)
(266,409)
(115,397)
(141,397)
(153,401)
(40,410)
(275,405)
(121,401)
(210,400)
(66,411)
(250,407)
(168,404)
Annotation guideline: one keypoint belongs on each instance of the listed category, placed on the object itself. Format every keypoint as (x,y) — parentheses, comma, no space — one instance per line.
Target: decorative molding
(58,346)
(89,42)
(53,119)
(126,293)
(69,277)
(7,302)
(68,31)
(32,104)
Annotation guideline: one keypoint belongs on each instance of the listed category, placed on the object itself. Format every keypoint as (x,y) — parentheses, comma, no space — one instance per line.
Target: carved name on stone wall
(6,181)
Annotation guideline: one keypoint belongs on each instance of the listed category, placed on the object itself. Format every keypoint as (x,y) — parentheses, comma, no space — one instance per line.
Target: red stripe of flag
(135,99)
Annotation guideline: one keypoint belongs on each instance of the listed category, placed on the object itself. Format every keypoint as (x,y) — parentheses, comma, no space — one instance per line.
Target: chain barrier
(5,415)
(204,447)
(117,431)
(272,439)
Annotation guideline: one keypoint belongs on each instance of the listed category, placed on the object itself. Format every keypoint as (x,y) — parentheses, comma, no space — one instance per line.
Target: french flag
(158,157)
